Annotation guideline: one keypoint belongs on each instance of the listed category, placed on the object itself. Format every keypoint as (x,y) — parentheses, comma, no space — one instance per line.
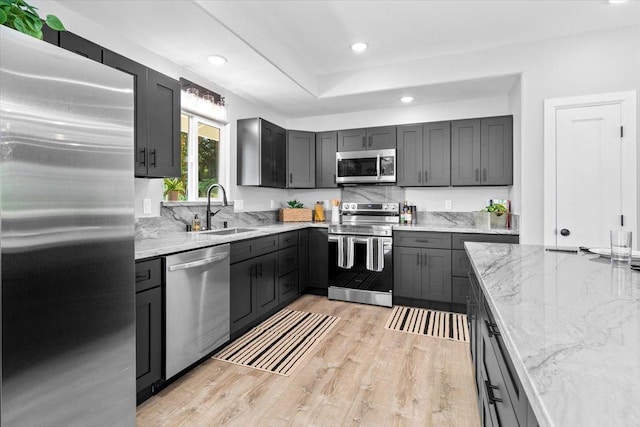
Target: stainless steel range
(360,253)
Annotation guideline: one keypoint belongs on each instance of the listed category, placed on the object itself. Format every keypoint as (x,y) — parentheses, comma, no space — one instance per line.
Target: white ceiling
(278,50)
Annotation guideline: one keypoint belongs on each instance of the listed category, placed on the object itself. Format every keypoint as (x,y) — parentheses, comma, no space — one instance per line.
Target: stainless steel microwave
(366,167)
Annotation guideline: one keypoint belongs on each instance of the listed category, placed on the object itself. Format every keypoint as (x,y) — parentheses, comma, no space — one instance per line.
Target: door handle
(484,174)
(493,329)
(290,178)
(490,396)
(370,141)
(425,260)
(477,175)
(199,262)
(364,142)
(418,258)
(426,176)
(152,153)
(565,232)
(143,157)
(334,178)
(260,269)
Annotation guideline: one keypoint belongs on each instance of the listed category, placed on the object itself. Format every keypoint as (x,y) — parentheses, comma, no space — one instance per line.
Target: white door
(589,174)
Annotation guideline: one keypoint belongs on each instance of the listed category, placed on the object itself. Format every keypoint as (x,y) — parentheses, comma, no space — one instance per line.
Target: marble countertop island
(571,325)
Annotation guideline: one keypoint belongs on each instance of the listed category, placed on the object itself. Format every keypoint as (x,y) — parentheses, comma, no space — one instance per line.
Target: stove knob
(354,206)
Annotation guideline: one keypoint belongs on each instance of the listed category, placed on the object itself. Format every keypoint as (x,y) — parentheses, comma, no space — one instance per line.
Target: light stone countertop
(179,242)
(571,324)
(452,228)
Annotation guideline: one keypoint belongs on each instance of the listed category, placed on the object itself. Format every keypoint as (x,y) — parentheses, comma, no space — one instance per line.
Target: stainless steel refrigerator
(66,238)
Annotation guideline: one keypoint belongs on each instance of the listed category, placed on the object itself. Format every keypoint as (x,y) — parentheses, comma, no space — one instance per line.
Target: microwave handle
(378,167)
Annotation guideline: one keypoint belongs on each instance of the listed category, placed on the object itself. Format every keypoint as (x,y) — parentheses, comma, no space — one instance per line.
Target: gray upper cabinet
(482,151)
(409,156)
(163,143)
(436,154)
(326,147)
(301,159)
(465,152)
(424,155)
(352,140)
(261,153)
(496,151)
(377,138)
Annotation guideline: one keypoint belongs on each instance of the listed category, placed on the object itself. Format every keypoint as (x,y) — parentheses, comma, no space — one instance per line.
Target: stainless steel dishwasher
(198,304)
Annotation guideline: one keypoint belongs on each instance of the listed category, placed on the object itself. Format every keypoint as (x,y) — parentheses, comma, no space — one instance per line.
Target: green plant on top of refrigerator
(21,16)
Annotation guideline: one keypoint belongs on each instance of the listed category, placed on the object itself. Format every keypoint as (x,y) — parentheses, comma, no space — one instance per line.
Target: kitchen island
(570,325)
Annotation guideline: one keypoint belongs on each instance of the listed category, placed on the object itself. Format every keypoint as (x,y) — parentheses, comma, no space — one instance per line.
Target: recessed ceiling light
(617,1)
(217,59)
(406,99)
(359,47)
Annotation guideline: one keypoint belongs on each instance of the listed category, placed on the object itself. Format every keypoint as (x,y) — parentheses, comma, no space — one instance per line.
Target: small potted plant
(173,188)
(295,212)
(498,213)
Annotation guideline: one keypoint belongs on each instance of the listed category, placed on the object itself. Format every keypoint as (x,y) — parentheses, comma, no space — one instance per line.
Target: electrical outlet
(238,205)
(273,204)
(448,204)
(146,206)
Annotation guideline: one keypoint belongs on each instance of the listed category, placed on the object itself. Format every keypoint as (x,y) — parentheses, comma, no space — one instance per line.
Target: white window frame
(192,156)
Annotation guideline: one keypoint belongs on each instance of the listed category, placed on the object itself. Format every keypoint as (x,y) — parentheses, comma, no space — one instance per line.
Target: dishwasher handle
(198,263)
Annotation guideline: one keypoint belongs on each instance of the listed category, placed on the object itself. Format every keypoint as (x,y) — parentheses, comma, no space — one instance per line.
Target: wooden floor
(360,374)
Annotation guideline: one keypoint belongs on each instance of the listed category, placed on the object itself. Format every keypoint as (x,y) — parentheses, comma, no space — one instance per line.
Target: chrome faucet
(208,214)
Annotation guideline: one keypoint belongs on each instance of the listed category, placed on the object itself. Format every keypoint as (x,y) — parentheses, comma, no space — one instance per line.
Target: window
(200,156)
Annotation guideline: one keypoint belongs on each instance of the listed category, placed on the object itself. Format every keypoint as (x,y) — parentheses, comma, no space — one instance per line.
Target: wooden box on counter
(295,215)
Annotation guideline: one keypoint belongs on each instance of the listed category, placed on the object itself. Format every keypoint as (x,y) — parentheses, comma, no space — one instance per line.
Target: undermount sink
(225,231)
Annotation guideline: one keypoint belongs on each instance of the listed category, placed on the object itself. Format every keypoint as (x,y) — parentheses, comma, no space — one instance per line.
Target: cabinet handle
(493,329)
(426,176)
(143,157)
(418,258)
(364,142)
(484,174)
(370,141)
(492,398)
(422,240)
(425,260)
(290,178)
(334,179)
(419,176)
(152,162)
(260,269)
(477,175)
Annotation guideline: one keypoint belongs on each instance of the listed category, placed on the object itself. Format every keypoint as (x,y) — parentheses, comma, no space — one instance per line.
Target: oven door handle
(360,239)
(378,167)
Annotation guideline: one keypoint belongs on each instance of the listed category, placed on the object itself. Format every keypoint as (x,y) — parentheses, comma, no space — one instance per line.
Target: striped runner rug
(420,321)
(280,343)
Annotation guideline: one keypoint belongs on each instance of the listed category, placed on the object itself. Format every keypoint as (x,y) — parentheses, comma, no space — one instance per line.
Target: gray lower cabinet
(434,266)
(264,276)
(301,159)
(377,138)
(501,399)
(326,148)
(303,259)
(424,155)
(243,294)
(422,273)
(266,283)
(318,258)
(482,151)
(148,327)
